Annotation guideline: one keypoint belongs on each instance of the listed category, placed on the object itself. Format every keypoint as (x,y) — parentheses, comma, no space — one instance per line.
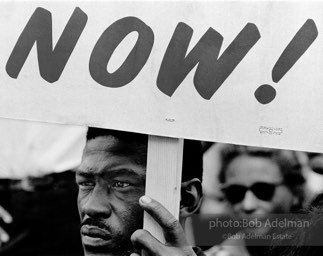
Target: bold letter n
(39,29)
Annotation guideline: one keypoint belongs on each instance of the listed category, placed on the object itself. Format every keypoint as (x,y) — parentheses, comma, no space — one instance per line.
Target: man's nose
(249,203)
(98,204)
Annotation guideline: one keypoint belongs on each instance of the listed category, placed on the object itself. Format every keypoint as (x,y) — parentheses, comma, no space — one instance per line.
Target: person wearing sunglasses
(257,183)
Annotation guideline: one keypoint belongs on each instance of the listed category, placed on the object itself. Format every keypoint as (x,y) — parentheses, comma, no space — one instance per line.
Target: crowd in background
(256,183)
(38,192)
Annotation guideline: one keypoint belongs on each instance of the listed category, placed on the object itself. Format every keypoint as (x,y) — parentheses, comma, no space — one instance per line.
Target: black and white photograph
(161,128)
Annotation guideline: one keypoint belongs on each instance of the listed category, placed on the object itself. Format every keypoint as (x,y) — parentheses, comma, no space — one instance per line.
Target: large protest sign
(239,72)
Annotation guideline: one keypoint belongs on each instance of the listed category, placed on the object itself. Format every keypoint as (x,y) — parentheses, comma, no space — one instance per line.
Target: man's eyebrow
(84,174)
(111,173)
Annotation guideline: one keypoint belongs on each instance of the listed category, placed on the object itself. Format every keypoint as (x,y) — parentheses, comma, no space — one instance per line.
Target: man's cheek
(81,200)
(132,207)
(134,217)
(79,203)
(130,197)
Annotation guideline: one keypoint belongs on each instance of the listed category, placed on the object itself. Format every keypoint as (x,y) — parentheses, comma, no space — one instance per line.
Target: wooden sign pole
(163,177)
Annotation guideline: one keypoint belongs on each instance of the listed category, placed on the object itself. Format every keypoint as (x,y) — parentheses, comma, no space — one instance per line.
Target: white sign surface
(239,72)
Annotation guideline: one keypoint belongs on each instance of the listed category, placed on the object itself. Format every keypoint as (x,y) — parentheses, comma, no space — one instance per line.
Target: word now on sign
(221,52)
(211,72)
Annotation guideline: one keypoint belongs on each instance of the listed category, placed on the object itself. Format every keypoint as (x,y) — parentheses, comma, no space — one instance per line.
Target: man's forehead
(106,154)
(101,143)
(112,150)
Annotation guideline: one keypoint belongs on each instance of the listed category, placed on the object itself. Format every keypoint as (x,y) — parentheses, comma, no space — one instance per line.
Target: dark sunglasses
(262,190)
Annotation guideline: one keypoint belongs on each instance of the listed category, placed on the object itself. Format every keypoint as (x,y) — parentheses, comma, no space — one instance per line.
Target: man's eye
(86,184)
(120,184)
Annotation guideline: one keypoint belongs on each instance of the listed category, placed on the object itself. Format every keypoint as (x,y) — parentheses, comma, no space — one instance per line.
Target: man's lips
(93,236)
(95,232)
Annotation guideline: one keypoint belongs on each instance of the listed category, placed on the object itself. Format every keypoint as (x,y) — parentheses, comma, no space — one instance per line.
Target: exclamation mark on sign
(294,50)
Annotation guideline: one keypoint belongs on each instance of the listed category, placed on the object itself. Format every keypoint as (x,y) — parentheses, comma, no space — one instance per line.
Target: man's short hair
(136,144)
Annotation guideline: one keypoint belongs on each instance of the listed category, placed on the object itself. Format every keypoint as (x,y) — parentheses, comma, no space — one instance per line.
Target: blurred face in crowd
(315,161)
(254,187)
(110,185)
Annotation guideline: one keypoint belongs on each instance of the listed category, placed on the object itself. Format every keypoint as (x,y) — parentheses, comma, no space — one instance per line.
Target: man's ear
(191,197)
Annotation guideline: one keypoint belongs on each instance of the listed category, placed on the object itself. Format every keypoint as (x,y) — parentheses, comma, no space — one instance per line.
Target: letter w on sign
(211,71)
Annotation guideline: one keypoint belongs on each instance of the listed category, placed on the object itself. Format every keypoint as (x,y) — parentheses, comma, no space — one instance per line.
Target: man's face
(257,201)
(110,185)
